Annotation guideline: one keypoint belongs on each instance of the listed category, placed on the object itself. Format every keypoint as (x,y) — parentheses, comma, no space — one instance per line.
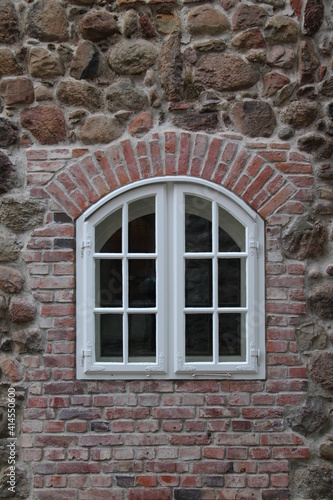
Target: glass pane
(141,226)
(141,338)
(198,283)
(109,289)
(198,337)
(109,338)
(108,234)
(232,337)
(142,282)
(232,282)
(198,224)
(231,233)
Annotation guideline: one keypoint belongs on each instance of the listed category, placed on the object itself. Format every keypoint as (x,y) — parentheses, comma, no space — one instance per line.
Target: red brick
(144,494)
(63,199)
(184,155)
(241,425)
(57,310)
(106,169)
(236,169)
(242,184)
(291,453)
(130,160)
(277,346)
(76,426)
(254,166)
(216,453)
(165,480)
(101,494)
(170,142)
(258,481)
(229,151)
(235,481)
(260,453)
(235,453)
(258,182)
(77,468)
(166,413)
(155,153)
(295,168)
(273,466)
(80,199)
(280,480)
(84,183)
(277,200)
(299,372)
(220,172)
(144,167)
(170,164)
(211,158)
(147,481)
(283,359)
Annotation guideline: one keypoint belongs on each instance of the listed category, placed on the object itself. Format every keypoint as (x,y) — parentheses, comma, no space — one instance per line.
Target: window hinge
(254,245)
(86,244)
(256,353)
(85,353)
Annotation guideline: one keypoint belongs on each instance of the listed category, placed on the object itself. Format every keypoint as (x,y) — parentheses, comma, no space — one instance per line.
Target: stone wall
(98,94)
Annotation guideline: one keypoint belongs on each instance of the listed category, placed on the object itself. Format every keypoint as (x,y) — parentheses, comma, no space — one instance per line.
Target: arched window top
(171,284)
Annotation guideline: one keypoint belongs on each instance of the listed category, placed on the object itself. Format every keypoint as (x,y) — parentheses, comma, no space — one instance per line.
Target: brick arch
(267,176)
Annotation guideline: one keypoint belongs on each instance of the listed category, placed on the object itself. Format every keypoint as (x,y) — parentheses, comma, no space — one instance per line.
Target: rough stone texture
(321,362)
(47,21)
(123,95)
(7,174)
(46,123)
(304,238)
(22,486)
(310,337)
(308,418)
(248,16)
(315,482)
(317,144)
(308,63)
(80,94)
(97,26)
(325,171)
(9,23)
(321,300)
(20,214)
(22,310)
(280,56)
(205,20)
(274,82)
(141,124)
(326,450)
(197,121)
(42,64)
(28,340)
(8,63)
(16,91)
(254,118)
(313,16)
(11,280)
(167,23)
(10,368)
(210,46)
(86,62)
(8,133)
(170,69)
(299,114)
(250,39)
(281,29)
(326,87)
(131,23)
(10,247)
(132,57)
(225,72)
(100,129)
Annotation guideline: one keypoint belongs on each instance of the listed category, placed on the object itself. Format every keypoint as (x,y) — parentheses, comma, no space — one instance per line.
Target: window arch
(170,284)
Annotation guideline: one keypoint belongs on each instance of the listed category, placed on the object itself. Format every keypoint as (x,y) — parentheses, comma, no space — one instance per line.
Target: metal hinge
(85,353)
(256,353)
(86,244)
(254,244)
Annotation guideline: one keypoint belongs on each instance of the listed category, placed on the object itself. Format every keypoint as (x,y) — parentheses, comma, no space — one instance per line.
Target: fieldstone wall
(98,94)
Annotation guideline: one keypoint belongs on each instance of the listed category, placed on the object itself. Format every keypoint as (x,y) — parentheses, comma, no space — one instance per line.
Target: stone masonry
(98,94)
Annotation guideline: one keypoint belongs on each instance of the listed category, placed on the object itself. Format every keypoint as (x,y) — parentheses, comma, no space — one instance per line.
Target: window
(170,284)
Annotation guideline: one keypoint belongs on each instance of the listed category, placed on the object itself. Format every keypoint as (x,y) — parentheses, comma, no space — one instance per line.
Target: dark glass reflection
(229,280)
(113,244)
(230,334)
(198,337)
(226,243)
(142,283)
(198,234)
(111,336)
(198,282)
(141,226)
(109,292)
(231,233)
(108,233)
(141,337)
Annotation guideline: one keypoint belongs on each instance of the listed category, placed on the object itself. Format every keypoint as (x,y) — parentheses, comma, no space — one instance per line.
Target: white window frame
(170,282)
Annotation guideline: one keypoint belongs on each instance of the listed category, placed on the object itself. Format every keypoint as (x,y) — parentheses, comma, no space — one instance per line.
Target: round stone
(20,214)
(299,114)
(17,91)
(311,337)
(85,64)
(124,96)
(22,310)
(304,238)
(8,63)
(321,300)
(42,64)
(100,129)
(8,178)
(46,123)
(205,20)
(9,23)
(248,16)
(8,133)
(281,29)
(80,94)
(254,118)
(10,248)
(97,26)
(47,21)
(141,125)
(11,280)
(132,57)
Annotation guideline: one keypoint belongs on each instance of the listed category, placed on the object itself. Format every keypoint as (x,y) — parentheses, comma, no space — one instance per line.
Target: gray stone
(80,94)
(317,144)
(97,25)
(46,123)
(10,247)
(167,23)
(256,56)
(8,63)
(299,114)
(21,214)
(47,21)
(8,178)
(321,300)
(8,133)
(281,29)
(11,280)
(304,238)
(314,482)
(42,64)
(86,62)
(22,484)
(248,16)
(9,23)
(132,57)
(131,23)
(308,418)
(254,118)
(308,63)
(277,4)
(100,129)
(311,337)
(124,96)
(28,340)
(225,73)
(325,171)
(281,56)
(205,20)
(170,69)
(326,450)
(326,87)
(209,46)
(195,121)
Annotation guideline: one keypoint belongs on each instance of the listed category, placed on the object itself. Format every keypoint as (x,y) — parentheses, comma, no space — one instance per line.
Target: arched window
(170,284)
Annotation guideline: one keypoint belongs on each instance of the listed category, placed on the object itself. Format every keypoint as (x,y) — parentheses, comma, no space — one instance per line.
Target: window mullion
(215,242)
(125,283)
